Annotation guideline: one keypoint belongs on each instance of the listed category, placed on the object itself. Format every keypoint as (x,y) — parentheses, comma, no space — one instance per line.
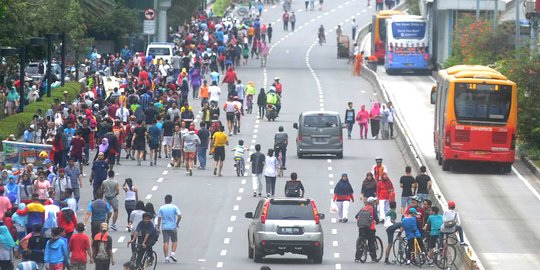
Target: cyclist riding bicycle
(146,236)
(409,224)
(321,36)
(230,108)
(281,140)
(239,151)
(366,220)
(239,112)
(272,99)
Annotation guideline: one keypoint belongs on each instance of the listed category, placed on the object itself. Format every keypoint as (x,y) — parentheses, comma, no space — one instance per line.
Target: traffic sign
(149,14)
(149,27)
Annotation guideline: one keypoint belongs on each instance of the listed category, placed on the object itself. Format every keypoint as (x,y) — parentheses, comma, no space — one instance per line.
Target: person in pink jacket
(362,118)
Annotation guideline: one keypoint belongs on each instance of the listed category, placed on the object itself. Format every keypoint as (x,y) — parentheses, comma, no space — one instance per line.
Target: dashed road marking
(159,180)
(243,181)
(331,191)
(238,198)
(114,250)
(219,265)
(154,188)
(236,207)
(330,176)
(149,196)
(334,231)
(329,168)
(336,255)
(229,229)
(241,190)
(121,239)
(334,220)
(226,241)
(329,160)
(223,252)
(331,183)
(338,266)
(165,172)
(335,243)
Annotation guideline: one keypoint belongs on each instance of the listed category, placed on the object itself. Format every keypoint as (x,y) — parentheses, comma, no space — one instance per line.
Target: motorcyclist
(321,36)
(273,99)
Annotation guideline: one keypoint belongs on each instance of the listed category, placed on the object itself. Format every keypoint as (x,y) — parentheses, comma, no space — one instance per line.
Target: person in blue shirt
(169,217)
(29,134)
(56,251)
(410,226)
(434,222)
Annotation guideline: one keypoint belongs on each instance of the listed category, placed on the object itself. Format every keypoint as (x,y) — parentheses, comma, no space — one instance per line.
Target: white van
(162,50)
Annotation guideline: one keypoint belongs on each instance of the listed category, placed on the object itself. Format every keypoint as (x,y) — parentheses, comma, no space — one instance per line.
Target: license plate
(320,139)
(408,64)
(480,152)
(290,230)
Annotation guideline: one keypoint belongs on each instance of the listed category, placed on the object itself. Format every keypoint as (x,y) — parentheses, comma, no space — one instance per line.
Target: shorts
(167,140)
(169,235)
(78,265)
(113,202)
(219,153)
(176,153)
(139,146)
(77,158)
(189,155)
(153,146)
(405,201)
(230,116)
(433,239)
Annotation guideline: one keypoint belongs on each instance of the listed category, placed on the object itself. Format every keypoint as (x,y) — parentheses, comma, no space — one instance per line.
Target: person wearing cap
(369,232)
(102,248)
(451,224)
(190,143)
(343,196)
(11,138)
(378,169)
(409,224)
(28,135)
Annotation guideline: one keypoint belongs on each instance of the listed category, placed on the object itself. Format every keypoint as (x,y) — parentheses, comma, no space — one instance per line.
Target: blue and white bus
(406,44)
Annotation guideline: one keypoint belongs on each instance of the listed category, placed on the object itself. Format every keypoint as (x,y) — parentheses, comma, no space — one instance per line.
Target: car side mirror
(321,216)
(249,215)
(433,95)
(295,125)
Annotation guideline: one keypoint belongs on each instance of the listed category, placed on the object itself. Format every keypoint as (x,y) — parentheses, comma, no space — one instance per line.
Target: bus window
(483,103)
(382,30)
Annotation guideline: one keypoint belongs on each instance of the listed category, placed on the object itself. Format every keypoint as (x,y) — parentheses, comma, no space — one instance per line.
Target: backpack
(101,252)
(451,223)
(292,189)
(364,218)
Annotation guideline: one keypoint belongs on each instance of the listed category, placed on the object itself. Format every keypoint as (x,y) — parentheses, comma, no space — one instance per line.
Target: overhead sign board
(149,27)
(149,14)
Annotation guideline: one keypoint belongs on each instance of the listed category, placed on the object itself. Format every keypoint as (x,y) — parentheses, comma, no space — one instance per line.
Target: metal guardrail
(469,259)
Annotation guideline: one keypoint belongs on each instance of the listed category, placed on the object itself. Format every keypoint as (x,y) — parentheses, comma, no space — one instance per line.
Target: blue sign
(409,30)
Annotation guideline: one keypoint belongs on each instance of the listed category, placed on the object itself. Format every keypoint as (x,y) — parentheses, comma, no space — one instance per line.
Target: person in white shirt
(451,224)
(215,92)
(270,172)
(122,113)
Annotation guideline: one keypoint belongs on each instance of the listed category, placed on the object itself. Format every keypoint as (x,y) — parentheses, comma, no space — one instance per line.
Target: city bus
(406,45)
(475,117)
(378,32)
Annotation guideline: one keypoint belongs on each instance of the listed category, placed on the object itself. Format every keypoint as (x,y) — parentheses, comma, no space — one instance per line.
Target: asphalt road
(213,231)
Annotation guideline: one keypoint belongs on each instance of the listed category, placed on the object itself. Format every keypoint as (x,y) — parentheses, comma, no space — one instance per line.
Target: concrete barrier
(466,256)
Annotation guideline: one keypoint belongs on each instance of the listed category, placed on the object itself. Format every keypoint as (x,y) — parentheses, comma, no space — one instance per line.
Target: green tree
(181,11)
(115,25)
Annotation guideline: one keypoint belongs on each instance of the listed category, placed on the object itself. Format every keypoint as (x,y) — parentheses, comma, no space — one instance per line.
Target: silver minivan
(319,132)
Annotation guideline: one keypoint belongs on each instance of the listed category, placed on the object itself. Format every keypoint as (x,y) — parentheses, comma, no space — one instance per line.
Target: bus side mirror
(295,125)
(433,95)
(370,27)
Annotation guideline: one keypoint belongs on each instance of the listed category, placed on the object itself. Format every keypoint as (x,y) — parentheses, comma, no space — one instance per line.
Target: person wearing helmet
(278,85)
(409,224)
(272,98)
(378,169)
(281,140)
(368,214)
(451,224)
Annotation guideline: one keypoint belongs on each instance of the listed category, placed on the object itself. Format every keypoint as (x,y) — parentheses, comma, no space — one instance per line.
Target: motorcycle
(271,112)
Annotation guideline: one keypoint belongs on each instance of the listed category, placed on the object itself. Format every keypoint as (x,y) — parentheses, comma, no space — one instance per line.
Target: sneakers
(254,193)
(113,227)
(463,244)
(172,256)
(344,220)
(215,171)
(167,260)
(151,163)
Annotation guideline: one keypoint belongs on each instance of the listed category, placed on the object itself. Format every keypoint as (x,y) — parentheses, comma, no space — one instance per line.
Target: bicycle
(399,247)
(362,248)
(240,167)
(445,256)
(148,261)
(418,257)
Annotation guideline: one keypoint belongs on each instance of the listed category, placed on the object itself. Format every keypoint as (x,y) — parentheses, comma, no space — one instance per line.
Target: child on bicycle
(239,151)
(410,226)
(146,236)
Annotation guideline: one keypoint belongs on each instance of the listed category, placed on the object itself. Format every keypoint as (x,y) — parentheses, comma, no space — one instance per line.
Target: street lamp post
(50,38)
(63,62)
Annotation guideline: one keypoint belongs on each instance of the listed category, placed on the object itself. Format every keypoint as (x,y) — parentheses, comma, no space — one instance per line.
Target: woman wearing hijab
(12,190)
(103,148)
(369,187)
(261,103)
(6,248)
(375,116)
(49,224)
(19,222)
(4,177)
(384,188)
(343,195)
(25,188)
(362,118)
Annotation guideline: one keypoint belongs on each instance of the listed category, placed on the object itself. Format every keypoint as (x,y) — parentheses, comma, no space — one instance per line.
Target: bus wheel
(446,165)
(439,159)
(506,168)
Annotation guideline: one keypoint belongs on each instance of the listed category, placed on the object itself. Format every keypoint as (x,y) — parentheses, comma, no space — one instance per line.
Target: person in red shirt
(420,211)
(67,220)
(77,146)
(384,188)
(230,78)
(111,110)
(79,248)
(143,75)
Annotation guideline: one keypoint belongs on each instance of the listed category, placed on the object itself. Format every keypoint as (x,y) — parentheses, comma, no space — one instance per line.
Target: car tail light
(315,212)
(447,138)
(341,139)
(316,244)
(299,138)
(264,212)
(263,243)
(426,56)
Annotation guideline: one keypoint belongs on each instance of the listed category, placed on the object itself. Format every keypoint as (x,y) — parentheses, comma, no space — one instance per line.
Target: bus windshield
(482,102)
(408,30)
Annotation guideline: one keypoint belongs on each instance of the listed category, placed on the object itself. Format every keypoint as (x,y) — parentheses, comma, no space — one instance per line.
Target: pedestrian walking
(154,136)
(56,251)
(204,137)
(169,217)
(265,51)
(384,190)
(79,248)
(269,31)
(359,59)
(139,140)
(362,118)
(219,140)
(99,172)
(285,19)
(349,118)
(354,26)
(36,244)
(292,19)
(261,103)
(257,165)
(391,116)
(385,130)
(270,172)
(111,189)
(67,220)
(190,142)
(423,184)
(132,196)
(343,196)
(100,212)
(375,119)
(102,248)
(369,187)
(408,184)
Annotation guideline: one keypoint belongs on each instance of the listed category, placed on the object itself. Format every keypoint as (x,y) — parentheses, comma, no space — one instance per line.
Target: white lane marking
(364,11)
(340,6)
(226,241)
(229,229)
(334,231)
(318,17)
(149,196)
(114,250)
(254,136)
(326,13)
(236,207)
(329,160)
(330,176)
(257,121)
(322,104)
(299,10)
(336,254)
(335,243)
(247,166)
(223,252)
(256,126)
(331,191)
(238,198)
(201,260)
(241,190)
(154,188)
(255,130)
(219,265)
(121,239)
(334,220)
(338,266)
(329,168)
(169,165)
(333,10)
(321,96)
(526,183)
(165,172)
(243,182)
(159,180)
(253,141)
(331,183)
(312,20)
(321,101)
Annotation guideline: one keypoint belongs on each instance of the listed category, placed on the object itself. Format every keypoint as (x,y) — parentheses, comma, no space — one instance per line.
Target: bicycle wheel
(242,168)
(444,260)
(418,257)
(398,247)
(379,250)
(361,251)
(452,239)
